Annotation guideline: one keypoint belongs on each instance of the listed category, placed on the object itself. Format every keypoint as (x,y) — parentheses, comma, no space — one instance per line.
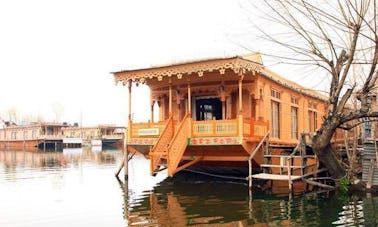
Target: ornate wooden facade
(217,110)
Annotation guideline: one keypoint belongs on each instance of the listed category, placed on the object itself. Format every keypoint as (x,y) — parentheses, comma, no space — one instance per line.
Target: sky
(58,55)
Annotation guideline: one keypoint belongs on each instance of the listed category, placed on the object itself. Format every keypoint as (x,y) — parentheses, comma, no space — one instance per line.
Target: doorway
(208,108)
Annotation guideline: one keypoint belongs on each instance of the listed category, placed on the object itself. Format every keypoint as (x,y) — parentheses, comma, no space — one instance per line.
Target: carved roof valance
(237,64)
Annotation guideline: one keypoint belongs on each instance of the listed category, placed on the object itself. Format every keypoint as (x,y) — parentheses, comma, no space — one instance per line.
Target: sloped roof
(249,62)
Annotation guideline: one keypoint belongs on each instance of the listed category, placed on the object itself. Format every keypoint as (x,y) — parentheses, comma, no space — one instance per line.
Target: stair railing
(161,145)
(178,145)
(265,138)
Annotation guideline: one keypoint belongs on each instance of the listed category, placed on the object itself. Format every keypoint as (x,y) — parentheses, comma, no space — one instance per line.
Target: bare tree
(334,36)
(13,114)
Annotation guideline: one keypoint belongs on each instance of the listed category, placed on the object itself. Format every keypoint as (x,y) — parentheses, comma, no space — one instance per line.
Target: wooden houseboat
(42,135)
(101,135)
(219,112)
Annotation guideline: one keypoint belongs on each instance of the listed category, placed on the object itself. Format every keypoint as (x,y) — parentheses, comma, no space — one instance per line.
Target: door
(208,108)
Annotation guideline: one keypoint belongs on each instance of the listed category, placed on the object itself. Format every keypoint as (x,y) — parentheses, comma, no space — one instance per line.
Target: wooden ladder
(286,163)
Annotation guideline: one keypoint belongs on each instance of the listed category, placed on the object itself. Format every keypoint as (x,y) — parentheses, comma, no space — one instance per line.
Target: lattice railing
(215,128)
(252,128)
(178,145)
(161,146)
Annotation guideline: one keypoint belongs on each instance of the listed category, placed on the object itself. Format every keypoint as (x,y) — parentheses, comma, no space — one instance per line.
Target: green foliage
(344,184)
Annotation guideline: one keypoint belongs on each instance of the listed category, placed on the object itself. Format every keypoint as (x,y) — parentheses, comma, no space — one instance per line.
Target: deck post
(240,93)
(250,174)
(170,96)
(152,109)
(189,99)
(126,154)
(288,163)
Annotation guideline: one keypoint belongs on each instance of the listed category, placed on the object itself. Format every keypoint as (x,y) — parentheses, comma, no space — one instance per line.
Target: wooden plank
(308,181)
(267,176)
(280,166)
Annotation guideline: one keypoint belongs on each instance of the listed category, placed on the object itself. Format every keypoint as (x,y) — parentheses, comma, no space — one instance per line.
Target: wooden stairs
(287,163)
(168,151)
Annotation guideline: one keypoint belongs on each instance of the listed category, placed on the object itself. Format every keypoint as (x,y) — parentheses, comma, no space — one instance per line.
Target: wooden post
(152,108)
(288,163)
(189,99)
(126,154)
(170,96)
(240,93)
(250,173)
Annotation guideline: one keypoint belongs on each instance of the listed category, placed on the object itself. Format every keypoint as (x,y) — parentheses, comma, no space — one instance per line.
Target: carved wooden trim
(237,64)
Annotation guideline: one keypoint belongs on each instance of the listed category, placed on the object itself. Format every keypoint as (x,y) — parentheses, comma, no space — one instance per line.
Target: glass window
(294,122)
(275,119)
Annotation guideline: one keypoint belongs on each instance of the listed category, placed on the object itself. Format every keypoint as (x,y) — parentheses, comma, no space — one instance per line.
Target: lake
(77,187)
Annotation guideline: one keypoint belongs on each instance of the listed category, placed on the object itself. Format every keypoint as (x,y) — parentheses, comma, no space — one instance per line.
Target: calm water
(78,188)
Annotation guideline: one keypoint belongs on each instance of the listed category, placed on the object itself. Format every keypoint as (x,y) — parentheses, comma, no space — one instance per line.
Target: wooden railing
(161,147)
(215,128)
(178,145)
(136,129)
(252,128)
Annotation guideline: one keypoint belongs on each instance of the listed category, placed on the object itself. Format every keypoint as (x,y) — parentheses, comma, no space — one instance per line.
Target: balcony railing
(146,129)
(215,128)
(211,128)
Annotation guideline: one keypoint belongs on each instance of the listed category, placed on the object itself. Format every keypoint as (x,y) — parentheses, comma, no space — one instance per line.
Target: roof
(243,63)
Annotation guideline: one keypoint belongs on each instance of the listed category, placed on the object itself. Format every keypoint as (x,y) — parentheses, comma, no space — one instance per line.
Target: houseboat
(101,135)
(224,112)
(36,135)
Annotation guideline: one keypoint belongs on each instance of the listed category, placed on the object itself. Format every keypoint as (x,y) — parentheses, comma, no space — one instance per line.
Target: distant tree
(13,114)
(335,36)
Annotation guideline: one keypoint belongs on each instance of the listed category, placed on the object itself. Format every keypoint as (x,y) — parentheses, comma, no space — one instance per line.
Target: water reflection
(180,203)
(78,188)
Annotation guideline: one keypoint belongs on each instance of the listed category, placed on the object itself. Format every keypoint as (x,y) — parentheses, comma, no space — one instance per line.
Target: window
(275,94)
(294,100)
(294,122)
(275,119)
(312,117)
(14,135)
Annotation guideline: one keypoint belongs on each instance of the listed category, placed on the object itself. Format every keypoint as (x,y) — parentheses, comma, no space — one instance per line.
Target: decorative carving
(199,68)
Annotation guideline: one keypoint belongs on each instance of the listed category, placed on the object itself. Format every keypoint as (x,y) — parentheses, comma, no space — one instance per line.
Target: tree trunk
(326,154)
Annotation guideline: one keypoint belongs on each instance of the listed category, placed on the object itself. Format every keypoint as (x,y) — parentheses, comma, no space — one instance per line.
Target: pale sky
(62,52)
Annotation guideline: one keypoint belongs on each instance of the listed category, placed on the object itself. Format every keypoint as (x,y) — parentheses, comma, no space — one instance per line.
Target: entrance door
(208,108)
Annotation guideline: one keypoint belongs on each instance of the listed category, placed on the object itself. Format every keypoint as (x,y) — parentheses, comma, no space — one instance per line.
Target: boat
(101,135)
(43,135)
(229,112)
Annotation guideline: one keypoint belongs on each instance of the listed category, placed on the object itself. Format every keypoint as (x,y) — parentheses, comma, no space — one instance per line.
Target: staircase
(169,149)
(289,164)
(178,145)
(158,154)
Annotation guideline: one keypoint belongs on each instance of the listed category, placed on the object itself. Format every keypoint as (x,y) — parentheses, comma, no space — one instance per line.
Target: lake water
(78,188)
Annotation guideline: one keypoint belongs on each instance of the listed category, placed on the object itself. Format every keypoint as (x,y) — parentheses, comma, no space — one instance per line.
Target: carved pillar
(222,97)
(152,110)
(129,109)
(240,93)
(170,96)
(178,102)
(189,99)
(240,116)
